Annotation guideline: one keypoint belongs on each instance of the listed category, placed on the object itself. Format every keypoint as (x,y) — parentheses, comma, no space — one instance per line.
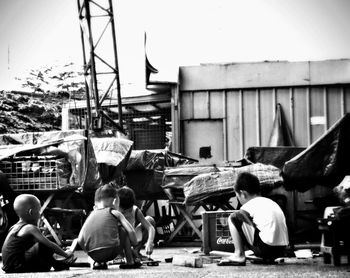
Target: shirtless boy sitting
(25,248)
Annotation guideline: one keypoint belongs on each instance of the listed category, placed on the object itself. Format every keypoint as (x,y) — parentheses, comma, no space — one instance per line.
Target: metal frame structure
(89,10)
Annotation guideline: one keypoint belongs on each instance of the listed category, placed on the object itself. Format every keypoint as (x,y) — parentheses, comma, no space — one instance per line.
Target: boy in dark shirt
(25,248)
(106,233)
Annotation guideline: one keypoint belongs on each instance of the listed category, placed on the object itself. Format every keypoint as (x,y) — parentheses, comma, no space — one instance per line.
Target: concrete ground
(292,267)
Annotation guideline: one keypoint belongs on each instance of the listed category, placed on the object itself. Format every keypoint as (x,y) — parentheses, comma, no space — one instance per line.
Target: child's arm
(74,245)
(149,228)
(35,232)
(127,226)
(245,217)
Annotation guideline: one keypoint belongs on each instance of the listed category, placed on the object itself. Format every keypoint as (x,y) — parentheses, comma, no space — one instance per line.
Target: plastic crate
(216,233)
(41,173)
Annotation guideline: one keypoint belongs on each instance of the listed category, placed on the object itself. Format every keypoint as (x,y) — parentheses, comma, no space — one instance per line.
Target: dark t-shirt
(100,230)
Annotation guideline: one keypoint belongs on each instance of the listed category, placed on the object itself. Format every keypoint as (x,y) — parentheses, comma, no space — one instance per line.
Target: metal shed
(146,119)
(220,110)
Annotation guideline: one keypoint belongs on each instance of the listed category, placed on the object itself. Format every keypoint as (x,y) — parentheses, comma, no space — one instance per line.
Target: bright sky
(34,33)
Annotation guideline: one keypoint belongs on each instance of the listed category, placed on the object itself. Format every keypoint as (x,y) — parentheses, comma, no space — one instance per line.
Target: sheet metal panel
(233,125)
(200,105)
(317,113)
(264,74)
(211,136)
(347,99)
(334,103)
(313,96)
(249,119)
(309,111)
(300,117)
(266,115)
(186,109)
(217,105)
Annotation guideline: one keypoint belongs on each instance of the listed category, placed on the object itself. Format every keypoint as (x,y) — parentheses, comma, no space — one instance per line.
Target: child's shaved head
(24,203)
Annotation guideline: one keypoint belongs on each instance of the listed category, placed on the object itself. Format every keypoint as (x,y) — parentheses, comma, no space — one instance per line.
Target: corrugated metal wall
(231,107)
(248,114)
(313,96)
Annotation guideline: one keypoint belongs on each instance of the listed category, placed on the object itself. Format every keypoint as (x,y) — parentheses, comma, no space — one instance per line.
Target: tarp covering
(275,156)
(176,177)
(144,172)
(325,162)
(112,155)
(280,134)
(342,191)
(73,144)
(156,160)
(219,183)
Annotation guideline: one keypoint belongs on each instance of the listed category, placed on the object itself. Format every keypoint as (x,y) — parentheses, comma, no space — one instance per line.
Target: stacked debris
(23,112)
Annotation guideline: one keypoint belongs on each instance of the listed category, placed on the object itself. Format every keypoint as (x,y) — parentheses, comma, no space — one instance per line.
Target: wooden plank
(264,74)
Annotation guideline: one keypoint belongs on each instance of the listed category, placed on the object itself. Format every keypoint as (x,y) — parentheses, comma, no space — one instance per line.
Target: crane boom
(97,63)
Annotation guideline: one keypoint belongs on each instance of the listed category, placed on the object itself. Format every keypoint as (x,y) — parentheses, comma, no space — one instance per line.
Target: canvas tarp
(275,156)
(280,134)
(144,172)
(325,162)
(73,144)
(112,155)
(221,183)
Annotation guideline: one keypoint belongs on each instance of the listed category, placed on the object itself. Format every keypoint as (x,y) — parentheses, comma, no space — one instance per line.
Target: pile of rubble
(23,112)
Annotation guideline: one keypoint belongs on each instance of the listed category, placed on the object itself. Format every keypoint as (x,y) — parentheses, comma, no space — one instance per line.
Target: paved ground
(292,267)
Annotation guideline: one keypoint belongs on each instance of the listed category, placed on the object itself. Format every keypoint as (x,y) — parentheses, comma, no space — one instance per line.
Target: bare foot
(236,258)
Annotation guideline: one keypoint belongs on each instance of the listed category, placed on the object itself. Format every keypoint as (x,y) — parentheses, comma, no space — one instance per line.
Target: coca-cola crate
(216,233)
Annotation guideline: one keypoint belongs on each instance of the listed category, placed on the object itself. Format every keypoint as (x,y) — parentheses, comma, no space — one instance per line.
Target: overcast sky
(34,33)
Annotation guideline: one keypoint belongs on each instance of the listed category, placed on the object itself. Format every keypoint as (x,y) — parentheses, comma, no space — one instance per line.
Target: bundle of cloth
(220,183)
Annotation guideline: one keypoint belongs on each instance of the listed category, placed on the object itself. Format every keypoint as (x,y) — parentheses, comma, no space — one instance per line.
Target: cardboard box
(216,233)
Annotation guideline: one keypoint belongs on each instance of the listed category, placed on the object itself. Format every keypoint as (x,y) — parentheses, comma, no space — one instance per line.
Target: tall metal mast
(96,17)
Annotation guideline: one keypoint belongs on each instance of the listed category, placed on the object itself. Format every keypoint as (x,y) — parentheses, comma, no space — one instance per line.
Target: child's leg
(241,232)
(38,258)
(236,236)
(126,246)
(142,234)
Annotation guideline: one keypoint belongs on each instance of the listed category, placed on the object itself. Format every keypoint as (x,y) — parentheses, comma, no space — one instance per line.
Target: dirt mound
(21,112)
